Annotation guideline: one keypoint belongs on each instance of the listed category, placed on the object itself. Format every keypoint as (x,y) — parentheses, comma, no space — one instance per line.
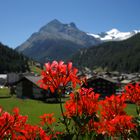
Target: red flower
(121,124)
(83,102)
(82,108)
(112,106)
(11,124)
(114,120)
(133,93)
(58,75)
(47,119)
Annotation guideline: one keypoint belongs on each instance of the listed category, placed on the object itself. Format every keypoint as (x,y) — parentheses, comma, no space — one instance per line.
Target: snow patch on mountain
(114,35)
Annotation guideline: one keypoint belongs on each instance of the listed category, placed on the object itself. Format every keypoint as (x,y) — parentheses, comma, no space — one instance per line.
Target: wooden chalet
(103,86)
(27,87)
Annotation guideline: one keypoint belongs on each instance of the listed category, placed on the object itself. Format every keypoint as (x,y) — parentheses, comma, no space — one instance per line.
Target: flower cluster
(114,120)
(85,116)
(82,109)
(13,126)
(113,106)
(47,119)
(133,93)
(57,75)
(85,101)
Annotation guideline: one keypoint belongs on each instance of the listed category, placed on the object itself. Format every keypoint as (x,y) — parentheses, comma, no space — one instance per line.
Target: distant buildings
(106,83)
(103,86)
(3,79)
(27,87)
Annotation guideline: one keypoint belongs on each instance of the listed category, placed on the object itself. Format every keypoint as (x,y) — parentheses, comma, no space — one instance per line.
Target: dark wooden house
(103,86)
(27,87)
(12,79)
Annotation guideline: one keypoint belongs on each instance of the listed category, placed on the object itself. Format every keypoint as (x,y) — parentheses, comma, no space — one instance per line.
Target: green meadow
(35,108)
(32,108)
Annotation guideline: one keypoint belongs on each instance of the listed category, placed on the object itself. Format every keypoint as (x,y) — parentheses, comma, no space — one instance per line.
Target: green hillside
(35,69)
(123,56)
(11,61)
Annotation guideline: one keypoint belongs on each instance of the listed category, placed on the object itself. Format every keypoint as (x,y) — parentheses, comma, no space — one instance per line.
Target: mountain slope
(56,41)
(11,61)
(122,56)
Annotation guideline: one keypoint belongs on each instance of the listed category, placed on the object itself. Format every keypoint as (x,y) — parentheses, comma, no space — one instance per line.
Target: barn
(101,85)
(27,87)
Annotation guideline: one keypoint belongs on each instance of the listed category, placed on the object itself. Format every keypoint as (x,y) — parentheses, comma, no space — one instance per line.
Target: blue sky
(20,18)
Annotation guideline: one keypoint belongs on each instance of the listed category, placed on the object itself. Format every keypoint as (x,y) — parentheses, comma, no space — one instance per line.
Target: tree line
(123,56)
(12,61)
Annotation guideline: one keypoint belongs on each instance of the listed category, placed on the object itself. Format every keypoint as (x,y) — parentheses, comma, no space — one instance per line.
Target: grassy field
(131,109)
(31,108)
(4,92)
(34,108)
(35,69)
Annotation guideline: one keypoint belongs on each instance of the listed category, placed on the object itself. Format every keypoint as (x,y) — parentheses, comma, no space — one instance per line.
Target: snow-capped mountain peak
(113,31)
(114,35)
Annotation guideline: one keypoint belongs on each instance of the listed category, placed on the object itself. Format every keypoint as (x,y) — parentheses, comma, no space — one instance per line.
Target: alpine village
(106,62)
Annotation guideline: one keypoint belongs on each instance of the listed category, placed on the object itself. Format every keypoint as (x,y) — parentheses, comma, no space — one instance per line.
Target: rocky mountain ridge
(56,41)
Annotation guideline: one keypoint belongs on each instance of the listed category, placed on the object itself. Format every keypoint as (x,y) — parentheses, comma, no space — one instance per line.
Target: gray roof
(107,79)
(33,79)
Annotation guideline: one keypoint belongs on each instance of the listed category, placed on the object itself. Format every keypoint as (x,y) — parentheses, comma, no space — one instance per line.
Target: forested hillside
(11,61)
(123,56)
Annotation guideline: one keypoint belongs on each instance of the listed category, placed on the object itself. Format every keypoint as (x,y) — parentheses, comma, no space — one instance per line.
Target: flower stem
(138,110)
(63,115)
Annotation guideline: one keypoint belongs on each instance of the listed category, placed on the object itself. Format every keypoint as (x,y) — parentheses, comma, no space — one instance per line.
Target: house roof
(33,79)
(107,79)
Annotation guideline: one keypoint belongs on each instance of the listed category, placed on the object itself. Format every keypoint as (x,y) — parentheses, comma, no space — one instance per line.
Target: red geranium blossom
(121,124)
(10,124)
(14,126)
(84,102)
(47,119)
(82,108)
(114,119)
(57,75)
(113,106)
(133,93)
